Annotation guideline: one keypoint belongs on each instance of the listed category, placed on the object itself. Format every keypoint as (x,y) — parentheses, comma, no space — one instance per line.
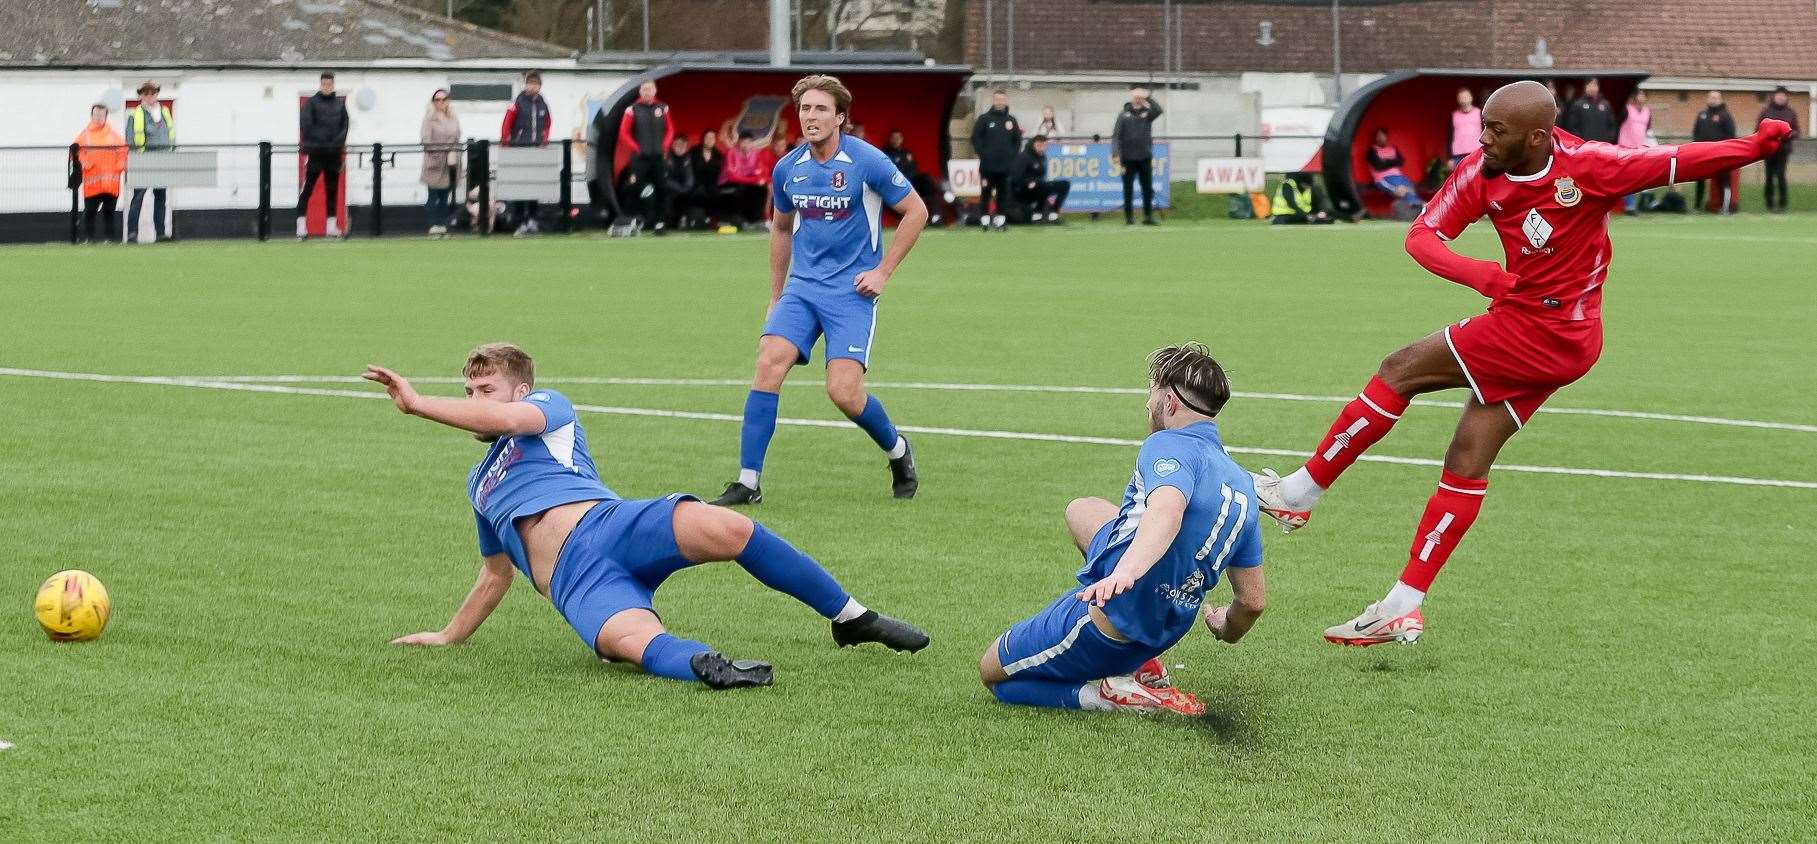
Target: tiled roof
(118,32)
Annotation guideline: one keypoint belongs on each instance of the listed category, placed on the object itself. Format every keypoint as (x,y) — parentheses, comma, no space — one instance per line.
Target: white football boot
(1273,503)
(1375,627)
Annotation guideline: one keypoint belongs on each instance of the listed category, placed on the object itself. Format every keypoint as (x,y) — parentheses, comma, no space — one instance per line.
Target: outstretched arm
(1160,524)
(494,580)
(1633,170)
(483,417)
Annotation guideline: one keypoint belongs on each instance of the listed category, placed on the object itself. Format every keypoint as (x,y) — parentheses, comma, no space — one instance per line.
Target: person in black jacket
(1132,143)
(1591,117)
(996,138)
(322,133)
(923,184)
(1779,108)
(1042,196)
(645,132)
(708,160)
(526,125)
(677,183)
(1715,124)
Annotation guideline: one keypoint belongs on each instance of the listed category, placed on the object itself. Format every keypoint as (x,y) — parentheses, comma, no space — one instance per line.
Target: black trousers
(1142,171)
(996,186)
(745,202)
(103,205)
(132,213)
(327,167)
(1048,196)
(646,171)
(1776,177)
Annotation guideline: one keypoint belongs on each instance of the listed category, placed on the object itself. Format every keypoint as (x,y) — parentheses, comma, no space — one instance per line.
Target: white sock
(900,448)
(1402,599)
(1091,701)
(748,477)
(1300,490)
(852,610)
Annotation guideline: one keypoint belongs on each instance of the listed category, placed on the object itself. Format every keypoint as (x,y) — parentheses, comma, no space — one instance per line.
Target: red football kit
(1544,325)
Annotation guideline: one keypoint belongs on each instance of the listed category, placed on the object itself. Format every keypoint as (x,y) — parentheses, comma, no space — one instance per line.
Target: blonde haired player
(540,509)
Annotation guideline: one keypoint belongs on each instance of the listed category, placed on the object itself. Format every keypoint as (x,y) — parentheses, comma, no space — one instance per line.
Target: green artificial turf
(1606,658)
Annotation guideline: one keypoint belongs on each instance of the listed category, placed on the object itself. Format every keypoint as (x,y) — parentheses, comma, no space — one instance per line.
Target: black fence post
(567,187)
(481,167)
(264,220)
(75,193)
(1239,140)
(378,189)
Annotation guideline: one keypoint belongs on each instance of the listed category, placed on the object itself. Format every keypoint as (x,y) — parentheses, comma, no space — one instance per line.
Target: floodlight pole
(1337,54)
(779,33)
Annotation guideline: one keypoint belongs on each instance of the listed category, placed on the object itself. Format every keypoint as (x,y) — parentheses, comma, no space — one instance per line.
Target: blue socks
(873,420)
(777,564)
(759,426)
(1051,694)
(667,656)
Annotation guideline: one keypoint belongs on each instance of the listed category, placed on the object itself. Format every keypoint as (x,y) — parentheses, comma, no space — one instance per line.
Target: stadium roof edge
(334,64)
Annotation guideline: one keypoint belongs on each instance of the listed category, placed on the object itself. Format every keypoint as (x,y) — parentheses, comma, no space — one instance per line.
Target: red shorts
(1520,360)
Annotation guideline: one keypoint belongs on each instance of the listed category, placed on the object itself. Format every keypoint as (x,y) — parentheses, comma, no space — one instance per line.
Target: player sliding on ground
(1549,196)
(1189,514)
(540,507)
(827,270)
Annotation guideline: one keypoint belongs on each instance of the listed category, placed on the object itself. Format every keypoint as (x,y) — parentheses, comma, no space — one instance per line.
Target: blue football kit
(1219,531)
(838,206)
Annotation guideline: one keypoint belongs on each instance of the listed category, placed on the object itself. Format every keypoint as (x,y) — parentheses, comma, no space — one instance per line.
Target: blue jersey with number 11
(1218,531)
(838,206)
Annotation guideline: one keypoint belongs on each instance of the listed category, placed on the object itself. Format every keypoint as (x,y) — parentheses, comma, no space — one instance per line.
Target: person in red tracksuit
(526,125)
(646,130)
(1549,196)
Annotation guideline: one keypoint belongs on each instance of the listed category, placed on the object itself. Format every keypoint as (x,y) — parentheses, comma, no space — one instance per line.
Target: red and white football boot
(1375,627)
(1153,674)
(1274,505)
(1127,695)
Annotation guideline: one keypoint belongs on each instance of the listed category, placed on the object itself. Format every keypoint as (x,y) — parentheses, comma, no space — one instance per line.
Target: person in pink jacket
(1466,126)
(1634,129)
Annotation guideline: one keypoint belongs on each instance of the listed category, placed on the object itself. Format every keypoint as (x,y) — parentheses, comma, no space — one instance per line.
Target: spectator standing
(1591,117)
(441,134)
(1042,196)
(1050,125)
(150,128)
(1385,169)
(1466,127)
(323,130)
(1779,108)
(744,178)
(101,160)
(527,125)
(924,185)
(646,130)
(708,159)
(1715,123)
(996,139)
(676,181)
(1636,125)
(1132,142)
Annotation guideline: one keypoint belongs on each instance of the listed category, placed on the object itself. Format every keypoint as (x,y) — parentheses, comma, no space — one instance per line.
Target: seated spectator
(1385,163)
(1298,200)
(708,158)
(746,181)
(1041,196)
(677,182)
(924,185)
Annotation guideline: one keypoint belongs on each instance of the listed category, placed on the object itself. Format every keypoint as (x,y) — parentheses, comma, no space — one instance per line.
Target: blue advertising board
(1097,184)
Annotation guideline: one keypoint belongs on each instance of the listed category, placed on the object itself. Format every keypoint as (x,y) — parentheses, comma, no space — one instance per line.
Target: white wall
(248,106)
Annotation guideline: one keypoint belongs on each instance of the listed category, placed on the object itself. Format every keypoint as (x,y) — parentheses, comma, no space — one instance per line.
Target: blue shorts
(617,555)
(1061,643)
(847,318)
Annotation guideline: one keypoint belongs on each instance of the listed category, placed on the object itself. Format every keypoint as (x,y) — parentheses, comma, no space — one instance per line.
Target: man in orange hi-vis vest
(101,154)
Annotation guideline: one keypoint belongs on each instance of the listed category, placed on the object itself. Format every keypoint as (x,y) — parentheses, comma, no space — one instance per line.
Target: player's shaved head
(1517,127)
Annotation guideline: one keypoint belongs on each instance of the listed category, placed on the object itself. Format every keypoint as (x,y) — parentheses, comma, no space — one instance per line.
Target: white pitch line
(1023,388)
(242,386)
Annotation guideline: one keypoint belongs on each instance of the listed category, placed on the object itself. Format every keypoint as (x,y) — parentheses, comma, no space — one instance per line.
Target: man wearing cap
(148,129)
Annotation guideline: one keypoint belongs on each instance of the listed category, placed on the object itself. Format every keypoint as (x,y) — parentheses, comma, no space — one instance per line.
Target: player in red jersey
(1549,195)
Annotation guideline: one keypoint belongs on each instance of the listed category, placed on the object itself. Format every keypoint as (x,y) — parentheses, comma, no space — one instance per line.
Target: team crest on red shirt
(1567,193)
(839,180)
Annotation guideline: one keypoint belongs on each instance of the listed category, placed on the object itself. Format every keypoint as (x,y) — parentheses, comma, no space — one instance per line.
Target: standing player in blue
(1188,516)
(827,268)
(541,509)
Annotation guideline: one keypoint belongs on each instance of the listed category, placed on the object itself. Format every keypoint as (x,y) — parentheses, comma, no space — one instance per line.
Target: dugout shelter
(1414,106)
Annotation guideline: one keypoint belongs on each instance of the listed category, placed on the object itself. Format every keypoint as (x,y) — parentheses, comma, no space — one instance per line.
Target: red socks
(1449,513)
(1365,420)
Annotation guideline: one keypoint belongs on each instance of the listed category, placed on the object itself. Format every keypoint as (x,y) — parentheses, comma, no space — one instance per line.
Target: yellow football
(72,606)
